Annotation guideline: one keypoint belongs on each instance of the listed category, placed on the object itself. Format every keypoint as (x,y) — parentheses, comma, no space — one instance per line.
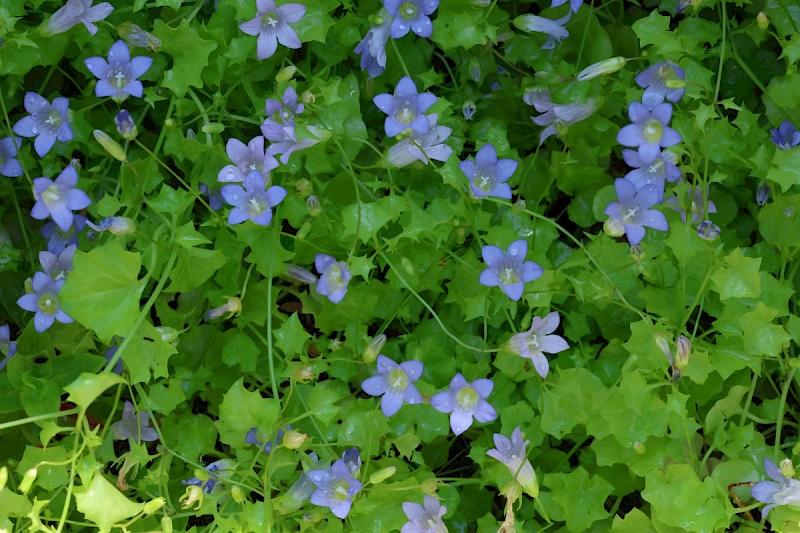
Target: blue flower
(781,491)
(334,277)
(395,383)
(426,518)
(411,14)
(335,487)
(465,401)
(281,114)
(118,76)
(9,166)
(538,340)
(708,231)
(7,347)
(254,201)
(57,240)
(75,11)
(556,117)
(272,25)
(421,146)
(406,109)
(631,213)
(554,29)
(46,122)
(125,125)
(134,425)
(649,131)
(655,173)
(785,136)
(654,81)
(252,438)
(510,270)
(512,453)
(44,302)
(57,266)
(697,207)
(488,176)
(247,159)
(373,46)
(59,198)
(218,470)
(574,5)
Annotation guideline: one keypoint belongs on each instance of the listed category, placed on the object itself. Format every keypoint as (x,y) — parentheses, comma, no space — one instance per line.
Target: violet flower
(781,491)
(218,471)
(254,201)
(134,425)
(574,5)
(372,47)
(333,279)
(75,11)
(59,198)
(785,136)
(708,231)
(538,340)
(421,146)
(44,302)
(57,266)
(247,158)
(512,453)
(654,80)
(289,143)
(7,347)
(335,488)
(558,117)
(272,26)
(395,383)
(9,166)
(697,207)
(280,114)
(510,270)
(118,76)
(649,131)
(405,109)
(631,213)
(125,125)
(47,122)
(253,438)
(426,518)
(554,29)
(662,168)
(488,176)
(411,14)
(465,401)
(57,239)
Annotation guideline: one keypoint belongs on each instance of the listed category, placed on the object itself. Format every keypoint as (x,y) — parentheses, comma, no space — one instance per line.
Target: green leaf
(783,168)
(759,335)
(779,221)
(240,350)
(577,397)
(147,352)
(48,476)
(740,279)
(291,336)
(582,497)
(103,291)
(104,505)
(241,410)
(194,267)
(654,30)
(84,390)
(371,217)
(316,22)
(189,55)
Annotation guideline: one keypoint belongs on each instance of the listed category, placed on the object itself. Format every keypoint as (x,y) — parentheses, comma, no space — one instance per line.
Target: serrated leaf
(242,351)
(84,390)
(740,279)
(241,410)
(104,505)
(291,336)
(189,55)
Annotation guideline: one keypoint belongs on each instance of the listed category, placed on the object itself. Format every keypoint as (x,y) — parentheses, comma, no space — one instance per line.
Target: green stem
(781,409)
(270,351)
(37,418)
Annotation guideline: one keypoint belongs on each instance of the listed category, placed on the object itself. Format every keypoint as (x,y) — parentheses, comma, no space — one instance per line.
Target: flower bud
(169,123)
(28,285)
(125,125)
(335,344)
(307,97)
(639,447)
(193,495)
(237,494)
(519,206)
(762,20)
(461,236)
(429,486)
(154,505)
(663,345)
(708,231)
(762,193)
(474,68)
(613,227)
(787,468)
(637,252)
(303,374)
(3,477)
(374,348)
(375,19)
(382,475)
(601,68)
(27,481)
(303,187)
(118,225)
(293,439)
(682,352)
(213,127)
(300,274)
(303,231)
(166,524)
(232,308)
(190,134)
(285,74)
(468,110)
(312,203)
(110,145)
(408,266)
(136,36)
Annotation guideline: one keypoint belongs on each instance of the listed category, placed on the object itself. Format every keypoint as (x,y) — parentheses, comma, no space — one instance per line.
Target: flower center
(509,276)
(119,80)
(652,131)
(405,113)
(533,344)
(398,380)
(340,490)
(269,19)
(408,11)
(484,181)
(48,303)
(656,167)
(254,207)
(629,215)
(53,118)
(467,398)
(666,73)
(51,195)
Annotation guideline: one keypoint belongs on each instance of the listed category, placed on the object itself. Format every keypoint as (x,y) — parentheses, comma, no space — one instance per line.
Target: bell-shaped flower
(372,47)
(335,488)
(649,131)
(554,29)
(118,77)
(78,11)
(134,425)
(254,201)
(57,266)
(538,340)
(9,166)
(44,302)
(7,347)
(464,401)
(246,158)
(488,175)
(333,279)
(632,210)
(557,117)
(781,491)
(281,114)
(425,518)
(663,168)
(655,81)
(785,136)
(405,109)
(411,15)
(47,122)
(59,198)
(509,270)
(698,208)
(395,383)
(423,147)
(512,453)
(272,26)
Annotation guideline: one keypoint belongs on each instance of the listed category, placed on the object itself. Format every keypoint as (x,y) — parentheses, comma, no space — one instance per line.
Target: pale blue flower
(631,213)
(117,77)
(57,239)
(281,114)
(785,136)
(47,122)
(557,117)
(272,26)
(538,340)
(663,168)
(44,302)
(59,198)
(335,487)
(781,491)
(554,29)
(649,131)
(7,347)
(512,453)
(405,109)
(78,11)
(395,383)
(134,425)
(509,270)
(423,147)
(254,201)
(125,125)
(372,47)
(246,158)
(9,166)
(426,518)
(333,279)
(574,5)
(654,81)
(488,175)
(57,266)
(464,401)
(411,15)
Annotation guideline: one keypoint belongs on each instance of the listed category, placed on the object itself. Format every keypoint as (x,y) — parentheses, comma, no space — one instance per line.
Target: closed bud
(613,227)
(27,481)
(375,20)
(639,448)
(461,236)
(237,494)
(601,68)
(213,127)
(519,206)
(293,439)
(169,123)
(429,486)
(285,74)
(136,36)
(125,125)
(300,274)
(312,203)
(303,187)
(307,97)
(663,344)
(110,145)
(762,20)
(382,475)
(334,345)
(303,231)
(3,477)
(637,252)
(408,266)
(468,110)
(231,308)
(154,505)
(28,285)
(708,231)
(374,348)
(190,134)
(682,352)
(762,193)
(192,496)
(166,524)
(303,374)
(787,468)
(474,68)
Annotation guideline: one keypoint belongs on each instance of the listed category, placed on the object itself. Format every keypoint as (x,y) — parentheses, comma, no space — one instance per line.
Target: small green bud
(675,83)
(293,439)
(762,20)
(169,123)
(613,227)
(374,348)
(601,68)
(303,231)
(682,352)
(382,475)
(312,203)
(303,187)
(27,481)
(166,524)
(154,505)
(787,468)
(663,344)
(213,127)
(637,252)
(429,486)
(639,447)
(237,494)
(408,266)
(3,477)
(110,145)
(285,74)
(307,97)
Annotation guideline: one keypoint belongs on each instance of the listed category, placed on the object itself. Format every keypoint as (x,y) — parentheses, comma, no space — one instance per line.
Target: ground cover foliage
(380,266)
